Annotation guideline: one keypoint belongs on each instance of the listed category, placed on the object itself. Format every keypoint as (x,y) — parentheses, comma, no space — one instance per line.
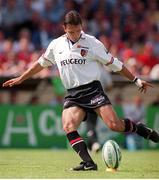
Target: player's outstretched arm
(35,68)
(143,85)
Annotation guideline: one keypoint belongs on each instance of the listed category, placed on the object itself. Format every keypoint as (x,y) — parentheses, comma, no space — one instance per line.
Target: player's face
(73,31)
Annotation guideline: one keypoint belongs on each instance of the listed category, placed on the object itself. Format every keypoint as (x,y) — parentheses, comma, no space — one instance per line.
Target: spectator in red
(24,47)
(25,52)
(146,57)
(5,54)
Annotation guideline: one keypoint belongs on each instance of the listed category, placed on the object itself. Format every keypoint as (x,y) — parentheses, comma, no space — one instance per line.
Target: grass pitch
(56,163)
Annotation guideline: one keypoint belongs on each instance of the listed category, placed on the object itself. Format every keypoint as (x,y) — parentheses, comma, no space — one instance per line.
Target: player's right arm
(46,60)
(35,68)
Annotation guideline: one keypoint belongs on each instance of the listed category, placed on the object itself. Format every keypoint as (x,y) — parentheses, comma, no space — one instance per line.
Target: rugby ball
(111,154)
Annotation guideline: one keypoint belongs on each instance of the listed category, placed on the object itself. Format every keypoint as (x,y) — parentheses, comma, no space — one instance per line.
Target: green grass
(56,163)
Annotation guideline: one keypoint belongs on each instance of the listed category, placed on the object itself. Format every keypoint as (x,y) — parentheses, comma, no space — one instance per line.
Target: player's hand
(12,82)
(145,86)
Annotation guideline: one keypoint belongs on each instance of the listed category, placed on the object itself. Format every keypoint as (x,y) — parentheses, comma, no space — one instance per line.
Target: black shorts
(89,97)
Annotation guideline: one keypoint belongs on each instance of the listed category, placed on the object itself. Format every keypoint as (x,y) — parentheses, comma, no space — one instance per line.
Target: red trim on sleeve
(110,62)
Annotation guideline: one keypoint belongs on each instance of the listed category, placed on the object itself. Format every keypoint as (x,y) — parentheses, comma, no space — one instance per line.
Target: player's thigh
(110,118)
(71,118)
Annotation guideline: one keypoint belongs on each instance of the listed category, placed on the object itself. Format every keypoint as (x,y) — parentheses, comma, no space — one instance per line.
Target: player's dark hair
(73,18)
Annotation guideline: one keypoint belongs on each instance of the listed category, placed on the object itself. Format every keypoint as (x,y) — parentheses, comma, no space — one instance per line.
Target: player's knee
(68,127)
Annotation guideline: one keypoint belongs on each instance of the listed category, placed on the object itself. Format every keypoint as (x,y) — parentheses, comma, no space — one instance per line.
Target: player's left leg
(110,118)
(71,119)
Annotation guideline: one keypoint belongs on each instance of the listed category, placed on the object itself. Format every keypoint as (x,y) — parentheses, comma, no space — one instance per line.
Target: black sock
(141,130)
(79,145)
(147,133)
(130,126)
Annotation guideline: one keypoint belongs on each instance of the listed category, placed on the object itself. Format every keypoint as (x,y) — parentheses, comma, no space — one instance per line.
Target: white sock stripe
(77,142)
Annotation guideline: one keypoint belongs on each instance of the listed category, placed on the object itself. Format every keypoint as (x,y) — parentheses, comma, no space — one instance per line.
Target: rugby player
(78,57)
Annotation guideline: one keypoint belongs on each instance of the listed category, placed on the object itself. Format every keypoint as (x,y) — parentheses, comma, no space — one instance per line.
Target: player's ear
(64,27)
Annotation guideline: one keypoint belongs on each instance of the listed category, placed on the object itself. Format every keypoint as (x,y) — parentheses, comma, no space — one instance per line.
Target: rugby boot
(147,132)
(85,166)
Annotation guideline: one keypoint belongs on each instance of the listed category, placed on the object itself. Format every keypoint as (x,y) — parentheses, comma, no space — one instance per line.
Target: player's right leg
(71,119)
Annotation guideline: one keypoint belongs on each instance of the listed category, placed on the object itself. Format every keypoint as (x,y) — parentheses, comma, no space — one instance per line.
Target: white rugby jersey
(78,63)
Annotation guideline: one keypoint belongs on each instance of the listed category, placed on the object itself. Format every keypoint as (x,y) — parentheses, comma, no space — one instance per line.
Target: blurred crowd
(129,29)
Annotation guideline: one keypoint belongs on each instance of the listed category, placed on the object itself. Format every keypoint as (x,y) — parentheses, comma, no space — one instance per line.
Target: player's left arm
(105,57)
(143,85)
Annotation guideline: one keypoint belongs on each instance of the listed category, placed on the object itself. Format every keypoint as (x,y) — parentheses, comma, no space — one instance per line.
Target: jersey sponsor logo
(84,52)
(73,61)
(98,100)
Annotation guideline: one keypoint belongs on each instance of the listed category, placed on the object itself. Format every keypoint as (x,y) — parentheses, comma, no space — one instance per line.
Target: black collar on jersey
(72,42)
